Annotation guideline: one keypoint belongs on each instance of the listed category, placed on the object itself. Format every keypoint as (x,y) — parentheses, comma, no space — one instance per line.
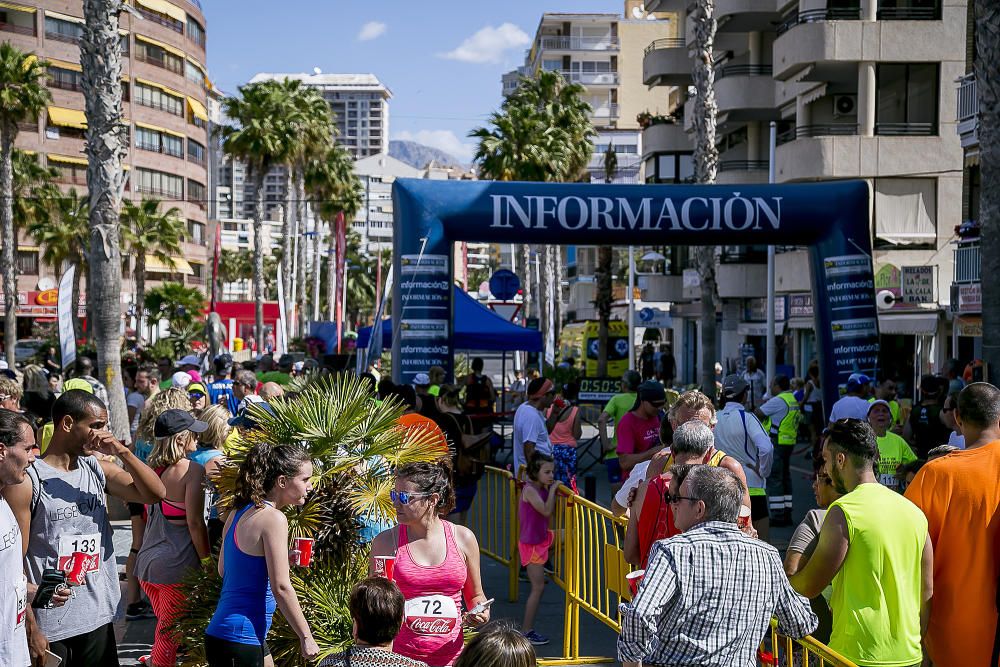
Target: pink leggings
(165,598)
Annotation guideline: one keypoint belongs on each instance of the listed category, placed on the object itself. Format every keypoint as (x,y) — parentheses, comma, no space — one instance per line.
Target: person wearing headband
(531,431)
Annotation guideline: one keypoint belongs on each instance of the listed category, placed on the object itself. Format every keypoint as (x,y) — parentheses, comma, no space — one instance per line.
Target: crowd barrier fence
(589,566)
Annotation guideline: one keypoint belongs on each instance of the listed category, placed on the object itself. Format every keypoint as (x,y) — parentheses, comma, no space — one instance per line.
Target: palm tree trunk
(7,264)
(559,300)
(550,301)
(331,273)
(288,231)
(526,281)
(140,295)
(603,303)
(258,254)
(706,157)
(987,67)
(106,146)
(300,215)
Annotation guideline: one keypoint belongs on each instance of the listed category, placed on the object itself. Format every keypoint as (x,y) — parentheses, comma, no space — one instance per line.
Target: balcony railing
(743,165)
(811,131)
(820,16)
(909,13)
(62,37)
(19,29)
(906,129)
(665,43)
(591,78)
(967,262)
(968,98)
(169,64)
(723,71)
(580,43)
(609,111)
(156,17)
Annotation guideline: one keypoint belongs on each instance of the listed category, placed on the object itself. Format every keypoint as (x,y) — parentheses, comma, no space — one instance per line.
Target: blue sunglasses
(404,497)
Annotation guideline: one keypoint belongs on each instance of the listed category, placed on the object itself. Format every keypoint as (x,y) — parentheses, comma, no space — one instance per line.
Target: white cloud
(371,30)
(445,140)
(489,44)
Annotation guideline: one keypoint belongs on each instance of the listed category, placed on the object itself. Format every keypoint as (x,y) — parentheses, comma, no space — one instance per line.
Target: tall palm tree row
(148,232)
(23,96)
(987,67)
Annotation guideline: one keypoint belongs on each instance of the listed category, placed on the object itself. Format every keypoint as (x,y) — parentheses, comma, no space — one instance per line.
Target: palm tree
(263,136)
(176,303)
(986,60)
(706,159)
(148,232)
(107,145)
(235,266)
(22,98)
(63,233)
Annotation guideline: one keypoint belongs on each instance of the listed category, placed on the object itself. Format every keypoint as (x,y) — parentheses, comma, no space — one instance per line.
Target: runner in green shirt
(610,416)
(893,450)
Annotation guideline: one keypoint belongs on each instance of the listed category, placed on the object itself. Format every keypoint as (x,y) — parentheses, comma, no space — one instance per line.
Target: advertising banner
(67,337)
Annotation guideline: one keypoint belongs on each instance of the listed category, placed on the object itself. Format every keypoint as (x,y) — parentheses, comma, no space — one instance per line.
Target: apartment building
(856,90)
(165,86)
(374,220)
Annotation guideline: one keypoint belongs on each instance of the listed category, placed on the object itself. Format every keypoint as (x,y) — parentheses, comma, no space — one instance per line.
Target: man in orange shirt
(960,497)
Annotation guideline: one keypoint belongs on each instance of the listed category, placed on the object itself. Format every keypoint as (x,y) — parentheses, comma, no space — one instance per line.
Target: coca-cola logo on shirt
(429,625)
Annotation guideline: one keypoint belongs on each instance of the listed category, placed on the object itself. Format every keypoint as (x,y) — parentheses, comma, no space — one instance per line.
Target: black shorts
(96,647)
(224,653)
(758,508)
(136,509)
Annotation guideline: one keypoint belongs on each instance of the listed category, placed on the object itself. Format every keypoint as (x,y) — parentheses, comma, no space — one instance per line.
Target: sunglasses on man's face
(404,497)
(671,499)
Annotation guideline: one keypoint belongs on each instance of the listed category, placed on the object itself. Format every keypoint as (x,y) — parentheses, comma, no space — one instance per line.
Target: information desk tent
(476,328)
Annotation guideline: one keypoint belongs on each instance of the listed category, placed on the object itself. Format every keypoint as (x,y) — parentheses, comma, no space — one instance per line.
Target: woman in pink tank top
(436,566)
(566,432)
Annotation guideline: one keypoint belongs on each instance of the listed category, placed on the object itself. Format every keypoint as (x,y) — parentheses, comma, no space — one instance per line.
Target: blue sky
(441,59)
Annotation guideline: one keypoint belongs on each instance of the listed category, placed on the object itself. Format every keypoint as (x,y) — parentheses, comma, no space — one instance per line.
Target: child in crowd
(538,501)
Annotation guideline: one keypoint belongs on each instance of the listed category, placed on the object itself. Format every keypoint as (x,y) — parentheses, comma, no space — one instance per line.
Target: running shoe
(536,639)
(138,610)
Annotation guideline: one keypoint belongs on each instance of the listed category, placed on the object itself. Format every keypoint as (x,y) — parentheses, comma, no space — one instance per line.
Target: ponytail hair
(535,463)
(260,471)
(432,477)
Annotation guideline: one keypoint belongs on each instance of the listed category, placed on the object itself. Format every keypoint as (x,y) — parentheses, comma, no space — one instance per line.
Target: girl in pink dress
(436,568)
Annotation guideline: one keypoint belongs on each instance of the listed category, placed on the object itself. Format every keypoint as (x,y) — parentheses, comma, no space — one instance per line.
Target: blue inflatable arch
(832,218)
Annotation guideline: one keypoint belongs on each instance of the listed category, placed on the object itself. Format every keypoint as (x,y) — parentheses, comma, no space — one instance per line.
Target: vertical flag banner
(341,259)
(65,306)
(280,342)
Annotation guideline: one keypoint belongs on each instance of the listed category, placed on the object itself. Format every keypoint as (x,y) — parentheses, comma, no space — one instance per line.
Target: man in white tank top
(17,439)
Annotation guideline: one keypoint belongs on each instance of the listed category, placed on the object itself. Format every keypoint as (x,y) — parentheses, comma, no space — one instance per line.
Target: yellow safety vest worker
(788,429)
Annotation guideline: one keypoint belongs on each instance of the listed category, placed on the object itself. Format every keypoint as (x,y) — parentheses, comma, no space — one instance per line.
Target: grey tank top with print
(167,552)
(71,514)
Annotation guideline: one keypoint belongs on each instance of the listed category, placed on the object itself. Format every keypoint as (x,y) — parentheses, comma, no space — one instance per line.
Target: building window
(195,232)
(195,32)
(27,262)
(157,98)
(909,10)
(64,79)
(158,142)
(63,31)
(905,212)
(160,18)
(196,193)
(975,185)
(193,74)
(155,55)
(196,152)
(907,99)
(69,173)
(158,183)
(670,168)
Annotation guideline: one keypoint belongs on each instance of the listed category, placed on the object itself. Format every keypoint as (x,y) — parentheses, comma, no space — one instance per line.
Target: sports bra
(171,509)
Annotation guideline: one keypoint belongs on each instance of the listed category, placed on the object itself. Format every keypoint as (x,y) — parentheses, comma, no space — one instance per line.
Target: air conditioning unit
(845,105)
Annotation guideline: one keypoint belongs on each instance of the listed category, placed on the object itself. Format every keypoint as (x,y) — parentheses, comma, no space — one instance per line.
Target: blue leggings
(565,458)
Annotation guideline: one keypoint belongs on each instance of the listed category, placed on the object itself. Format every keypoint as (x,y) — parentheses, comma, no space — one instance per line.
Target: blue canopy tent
(476,328)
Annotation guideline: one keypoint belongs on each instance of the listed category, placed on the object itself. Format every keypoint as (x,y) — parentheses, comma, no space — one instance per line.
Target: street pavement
(596,639)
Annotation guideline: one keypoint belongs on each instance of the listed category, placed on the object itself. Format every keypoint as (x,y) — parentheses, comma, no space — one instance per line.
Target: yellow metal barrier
(590,567)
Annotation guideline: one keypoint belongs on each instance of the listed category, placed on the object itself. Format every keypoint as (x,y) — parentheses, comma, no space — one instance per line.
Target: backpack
(478,396)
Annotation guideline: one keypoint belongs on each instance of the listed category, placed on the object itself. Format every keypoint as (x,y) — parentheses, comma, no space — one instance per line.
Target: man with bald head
(271,390)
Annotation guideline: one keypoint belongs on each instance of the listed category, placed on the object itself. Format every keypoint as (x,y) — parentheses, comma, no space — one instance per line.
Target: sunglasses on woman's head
(404,497)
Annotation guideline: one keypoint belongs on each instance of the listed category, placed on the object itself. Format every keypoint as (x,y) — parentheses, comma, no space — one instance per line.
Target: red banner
(341,259)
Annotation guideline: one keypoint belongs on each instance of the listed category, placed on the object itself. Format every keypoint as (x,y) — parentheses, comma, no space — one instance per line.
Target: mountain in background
(418,155)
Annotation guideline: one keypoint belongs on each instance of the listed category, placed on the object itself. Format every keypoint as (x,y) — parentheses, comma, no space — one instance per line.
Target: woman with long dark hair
(254,559)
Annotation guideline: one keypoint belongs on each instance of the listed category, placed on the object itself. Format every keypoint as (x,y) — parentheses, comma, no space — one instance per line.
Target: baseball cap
(180,379)
(77,383)
(421,380)
(733,385)
(651,391)
(879,402)
(189,360)
(197,387)
(857,380)
(172,422)
(223,361)
(246,419)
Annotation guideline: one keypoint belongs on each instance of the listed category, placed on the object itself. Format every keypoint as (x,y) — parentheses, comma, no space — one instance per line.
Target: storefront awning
(163,7)
(181,266)
(67,118)
(908,324)
(198,109)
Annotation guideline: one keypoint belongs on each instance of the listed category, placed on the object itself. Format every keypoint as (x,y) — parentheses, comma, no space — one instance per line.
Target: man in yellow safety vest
(780,416)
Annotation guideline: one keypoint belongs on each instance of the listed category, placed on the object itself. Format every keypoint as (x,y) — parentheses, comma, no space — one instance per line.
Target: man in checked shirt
(709,593)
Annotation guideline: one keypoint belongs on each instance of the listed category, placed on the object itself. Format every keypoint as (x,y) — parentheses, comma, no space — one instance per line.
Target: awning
(168,91)
(65,64)
(67,159)
(166,47)
(198,109)
(64,17)
(198,66)
(157,128)
(173,12)
(68,118)
(801,323)
(18,8)
(181,266)
(759,328)
(908,324)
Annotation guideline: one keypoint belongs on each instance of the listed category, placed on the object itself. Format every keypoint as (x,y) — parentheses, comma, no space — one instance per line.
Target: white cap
(298,366)
(3,365)
(180,380)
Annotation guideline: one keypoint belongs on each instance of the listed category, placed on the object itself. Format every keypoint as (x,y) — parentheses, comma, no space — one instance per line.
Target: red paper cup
(304,547)
(384,566)
(744,519)
(633,579)
(78,566)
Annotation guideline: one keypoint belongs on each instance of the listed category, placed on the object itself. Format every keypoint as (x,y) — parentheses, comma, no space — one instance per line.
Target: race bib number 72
(432,615)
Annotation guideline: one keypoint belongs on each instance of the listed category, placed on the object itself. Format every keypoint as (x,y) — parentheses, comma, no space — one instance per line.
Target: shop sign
(918,284)
(971,327)
(800,305)
(970,298)
(755,309)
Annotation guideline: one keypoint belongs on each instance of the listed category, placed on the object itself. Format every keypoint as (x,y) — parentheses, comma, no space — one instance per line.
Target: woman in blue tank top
(254,559)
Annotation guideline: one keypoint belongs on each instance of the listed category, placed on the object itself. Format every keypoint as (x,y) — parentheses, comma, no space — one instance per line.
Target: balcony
(665,138)
(904,13)
(174,65)
(160,19)
(591,78)
(62,37)
(560,43)
(19,28)
(810,131)
(738,172)
(746,15)
(819,16)
(968,111)
(967,262)
(606,112)
(745,92)
(665,62)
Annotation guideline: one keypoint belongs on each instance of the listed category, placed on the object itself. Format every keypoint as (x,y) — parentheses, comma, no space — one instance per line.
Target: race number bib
(888,480)
(88,544)
(21,595)
(432,615)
